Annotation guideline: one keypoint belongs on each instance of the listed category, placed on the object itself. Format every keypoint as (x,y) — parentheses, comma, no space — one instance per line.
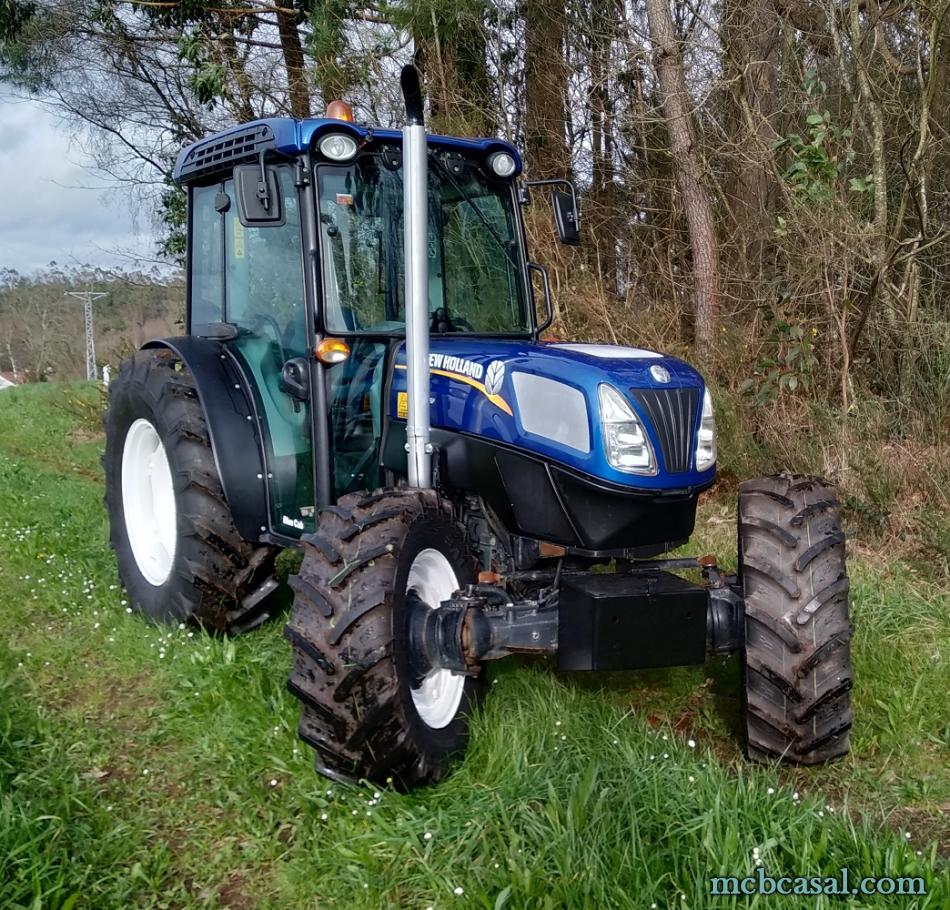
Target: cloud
(54,205)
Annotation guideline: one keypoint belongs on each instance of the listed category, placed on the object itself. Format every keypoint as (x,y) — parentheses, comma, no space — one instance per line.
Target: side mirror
(259,202)
(567,217)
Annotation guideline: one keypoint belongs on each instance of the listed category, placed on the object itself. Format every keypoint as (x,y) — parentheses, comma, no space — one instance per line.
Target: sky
(54,205)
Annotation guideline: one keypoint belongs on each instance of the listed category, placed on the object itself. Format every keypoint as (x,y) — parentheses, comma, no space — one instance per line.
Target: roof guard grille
(220,154)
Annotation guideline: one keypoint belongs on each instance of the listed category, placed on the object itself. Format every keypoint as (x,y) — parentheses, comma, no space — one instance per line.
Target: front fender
(228,407)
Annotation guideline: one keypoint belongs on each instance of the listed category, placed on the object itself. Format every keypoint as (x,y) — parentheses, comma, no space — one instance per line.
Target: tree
(545,76)
(688,167)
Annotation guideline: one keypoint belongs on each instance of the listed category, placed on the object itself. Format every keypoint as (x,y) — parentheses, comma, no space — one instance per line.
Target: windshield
(476,282)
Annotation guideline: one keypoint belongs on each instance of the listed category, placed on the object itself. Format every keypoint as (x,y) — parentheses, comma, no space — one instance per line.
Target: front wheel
(797,666)
(364,711)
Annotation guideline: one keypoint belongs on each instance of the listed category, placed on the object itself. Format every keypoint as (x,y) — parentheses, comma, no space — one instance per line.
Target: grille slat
(672,414)
(240,147)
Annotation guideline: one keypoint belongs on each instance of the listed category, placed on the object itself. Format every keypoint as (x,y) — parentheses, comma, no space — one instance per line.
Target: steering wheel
(460,322)
(442,323)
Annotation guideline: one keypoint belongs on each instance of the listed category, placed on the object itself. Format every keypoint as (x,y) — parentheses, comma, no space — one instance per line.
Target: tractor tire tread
(216,568)
(341,630)
(797,661)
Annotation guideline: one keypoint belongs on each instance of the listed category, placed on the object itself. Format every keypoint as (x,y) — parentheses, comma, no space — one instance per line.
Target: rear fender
(228,406)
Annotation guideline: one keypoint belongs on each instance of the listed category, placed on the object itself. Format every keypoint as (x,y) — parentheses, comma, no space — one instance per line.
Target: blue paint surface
(293,137)
(458,406)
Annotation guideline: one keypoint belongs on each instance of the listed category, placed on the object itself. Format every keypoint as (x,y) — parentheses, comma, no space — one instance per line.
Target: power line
(87,298)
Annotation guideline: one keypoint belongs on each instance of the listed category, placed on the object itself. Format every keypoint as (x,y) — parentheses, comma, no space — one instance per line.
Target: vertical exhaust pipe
(416,234)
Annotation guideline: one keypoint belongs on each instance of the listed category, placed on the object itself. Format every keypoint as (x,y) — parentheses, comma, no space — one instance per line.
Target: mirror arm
(558,181)
(548,306)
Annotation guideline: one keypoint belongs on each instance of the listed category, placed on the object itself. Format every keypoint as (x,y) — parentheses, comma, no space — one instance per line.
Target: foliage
(156,767)
(788,362)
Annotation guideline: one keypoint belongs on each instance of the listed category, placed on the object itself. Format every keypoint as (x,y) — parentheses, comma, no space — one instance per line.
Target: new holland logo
(459,369)
(660,373)
(494,377)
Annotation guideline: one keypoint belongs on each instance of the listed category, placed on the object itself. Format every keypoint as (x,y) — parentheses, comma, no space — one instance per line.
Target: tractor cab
(296,244)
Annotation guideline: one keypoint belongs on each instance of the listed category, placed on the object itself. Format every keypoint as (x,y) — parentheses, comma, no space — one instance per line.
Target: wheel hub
(148,502)
(431,581)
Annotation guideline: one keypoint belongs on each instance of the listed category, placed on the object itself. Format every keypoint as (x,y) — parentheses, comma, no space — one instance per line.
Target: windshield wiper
(507,246)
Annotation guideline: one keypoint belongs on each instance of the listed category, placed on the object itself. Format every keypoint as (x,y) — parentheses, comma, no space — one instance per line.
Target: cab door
(264,300)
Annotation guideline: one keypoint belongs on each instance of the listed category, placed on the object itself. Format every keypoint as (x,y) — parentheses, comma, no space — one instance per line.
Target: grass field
(146,767)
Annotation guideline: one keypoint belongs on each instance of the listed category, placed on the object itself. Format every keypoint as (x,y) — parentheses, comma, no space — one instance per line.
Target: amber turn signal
(331,351)
(340,110)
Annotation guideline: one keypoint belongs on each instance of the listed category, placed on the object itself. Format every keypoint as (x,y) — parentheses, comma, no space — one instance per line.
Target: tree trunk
(545,90)
(603,218)
(688,171)
(751,34)
(450,53)
(291,48)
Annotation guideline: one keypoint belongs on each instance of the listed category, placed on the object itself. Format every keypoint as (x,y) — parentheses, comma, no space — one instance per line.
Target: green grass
(148,767)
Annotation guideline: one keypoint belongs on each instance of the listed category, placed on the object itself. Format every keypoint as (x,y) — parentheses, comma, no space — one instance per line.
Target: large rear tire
(179,555)
(363,711)
(797,633)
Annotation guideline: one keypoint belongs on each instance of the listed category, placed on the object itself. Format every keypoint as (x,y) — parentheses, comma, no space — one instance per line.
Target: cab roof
(244,143)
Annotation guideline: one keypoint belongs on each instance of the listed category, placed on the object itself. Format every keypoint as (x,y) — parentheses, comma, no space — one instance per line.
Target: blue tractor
(363,378)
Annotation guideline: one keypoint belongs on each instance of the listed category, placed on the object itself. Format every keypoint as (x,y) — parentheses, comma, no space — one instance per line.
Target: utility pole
(87,298)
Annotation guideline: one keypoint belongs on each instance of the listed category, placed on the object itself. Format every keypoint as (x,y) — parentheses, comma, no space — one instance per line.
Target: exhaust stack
(416,232)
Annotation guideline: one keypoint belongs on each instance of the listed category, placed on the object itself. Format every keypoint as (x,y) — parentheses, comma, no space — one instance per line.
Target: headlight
(625,440)
(706,439)
(502,164)
(337,147)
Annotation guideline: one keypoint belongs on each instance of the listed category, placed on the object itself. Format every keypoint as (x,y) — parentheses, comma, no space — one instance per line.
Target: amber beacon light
(332,350)
(340,110)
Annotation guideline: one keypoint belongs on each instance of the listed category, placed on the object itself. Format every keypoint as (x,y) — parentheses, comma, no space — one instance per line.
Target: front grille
(672,412)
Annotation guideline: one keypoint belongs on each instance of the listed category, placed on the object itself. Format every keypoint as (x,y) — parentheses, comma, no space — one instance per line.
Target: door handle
(294,379)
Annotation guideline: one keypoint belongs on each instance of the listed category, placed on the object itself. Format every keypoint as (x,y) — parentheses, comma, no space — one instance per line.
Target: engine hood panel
(476,389)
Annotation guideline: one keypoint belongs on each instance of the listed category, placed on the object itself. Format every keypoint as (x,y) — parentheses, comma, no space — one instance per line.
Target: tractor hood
(543,399)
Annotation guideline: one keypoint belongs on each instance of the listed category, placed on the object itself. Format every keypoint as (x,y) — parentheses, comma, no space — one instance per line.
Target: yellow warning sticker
(238,239)
(402,404)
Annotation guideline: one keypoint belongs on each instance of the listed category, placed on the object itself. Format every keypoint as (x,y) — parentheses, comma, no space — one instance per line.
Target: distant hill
(41,329)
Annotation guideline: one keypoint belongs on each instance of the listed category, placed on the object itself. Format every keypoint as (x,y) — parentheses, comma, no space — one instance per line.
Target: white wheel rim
(439,695)
(148,502)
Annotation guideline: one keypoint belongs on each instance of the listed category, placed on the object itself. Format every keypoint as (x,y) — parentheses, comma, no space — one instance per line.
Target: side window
(207,279)
(265,273)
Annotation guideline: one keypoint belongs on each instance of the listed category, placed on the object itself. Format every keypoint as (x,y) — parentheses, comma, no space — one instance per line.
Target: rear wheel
(179,555)
(363,710)
(797,640)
